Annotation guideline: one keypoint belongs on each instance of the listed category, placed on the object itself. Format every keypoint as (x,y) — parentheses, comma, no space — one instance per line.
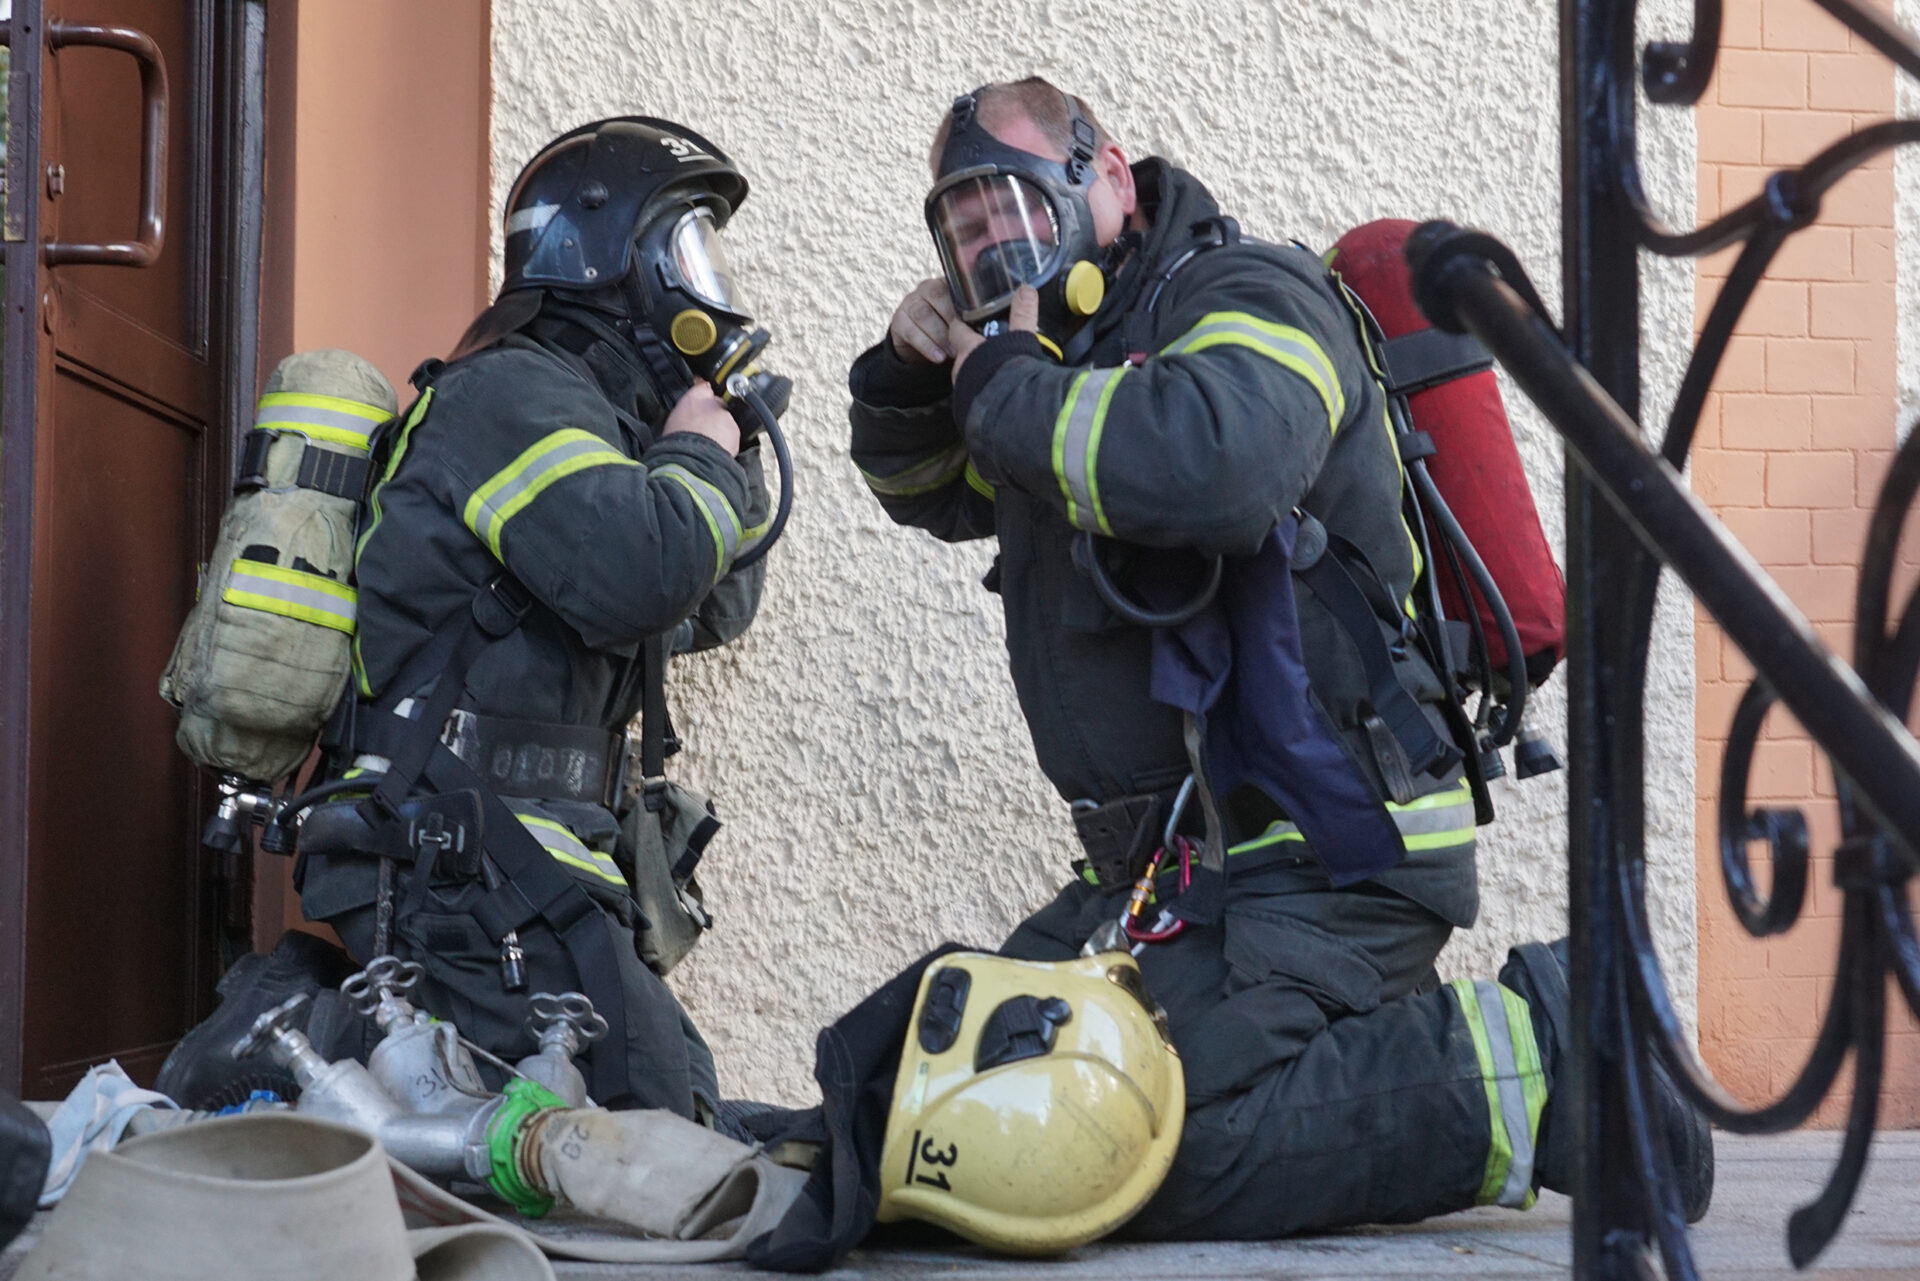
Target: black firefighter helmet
(637,203)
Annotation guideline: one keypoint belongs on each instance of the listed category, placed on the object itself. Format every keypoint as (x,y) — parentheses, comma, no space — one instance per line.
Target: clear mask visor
(700,257)
(995,232)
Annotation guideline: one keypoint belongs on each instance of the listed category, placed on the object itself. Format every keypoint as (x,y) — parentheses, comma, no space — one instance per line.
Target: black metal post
(1601,290)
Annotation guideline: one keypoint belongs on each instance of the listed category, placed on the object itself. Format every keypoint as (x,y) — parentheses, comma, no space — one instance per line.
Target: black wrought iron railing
(1629,516)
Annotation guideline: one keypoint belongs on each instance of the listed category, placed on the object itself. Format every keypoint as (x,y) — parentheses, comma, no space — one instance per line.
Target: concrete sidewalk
(1760,1182)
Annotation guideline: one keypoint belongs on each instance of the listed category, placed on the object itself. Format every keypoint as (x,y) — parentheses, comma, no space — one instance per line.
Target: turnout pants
(1332,1080)
(668,1063)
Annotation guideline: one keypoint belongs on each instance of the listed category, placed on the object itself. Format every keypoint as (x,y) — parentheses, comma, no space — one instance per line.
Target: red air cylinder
(1476,467)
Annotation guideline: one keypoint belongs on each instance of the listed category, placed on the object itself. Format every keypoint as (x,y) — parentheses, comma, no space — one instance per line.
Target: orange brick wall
(1790,454)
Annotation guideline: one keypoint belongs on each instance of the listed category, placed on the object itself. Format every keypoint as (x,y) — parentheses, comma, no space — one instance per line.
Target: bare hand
(1023,318)
(700,412)
(919,326)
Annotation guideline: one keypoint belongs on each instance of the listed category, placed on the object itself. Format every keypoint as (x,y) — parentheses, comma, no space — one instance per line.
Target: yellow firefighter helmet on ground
(1038,1104)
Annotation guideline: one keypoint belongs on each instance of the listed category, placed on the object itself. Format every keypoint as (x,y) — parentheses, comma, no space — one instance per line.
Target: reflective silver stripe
(1423,823)
(310,598)
(567,848)
(713,507)
(1294,349)
(923,477)
(1513,1101)
(532,218)
(1448,818)
(1073,462)
(334,424)
(554,457)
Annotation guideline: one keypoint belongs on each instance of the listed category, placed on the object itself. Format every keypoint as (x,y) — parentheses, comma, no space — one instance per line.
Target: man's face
(999,217)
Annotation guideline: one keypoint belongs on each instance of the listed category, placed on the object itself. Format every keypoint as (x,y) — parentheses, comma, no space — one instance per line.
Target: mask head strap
(1080,154)
(969,144)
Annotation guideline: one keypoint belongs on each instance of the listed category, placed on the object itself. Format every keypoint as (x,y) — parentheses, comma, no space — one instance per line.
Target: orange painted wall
(378,160)
(1790,454)
(391,190)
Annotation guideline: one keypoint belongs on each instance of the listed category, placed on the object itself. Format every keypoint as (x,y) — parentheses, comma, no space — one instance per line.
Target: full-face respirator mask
(1002,217)
(690,296)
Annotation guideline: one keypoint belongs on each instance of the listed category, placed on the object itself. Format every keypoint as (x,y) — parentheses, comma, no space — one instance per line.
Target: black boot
(1538,972)
(201,1072)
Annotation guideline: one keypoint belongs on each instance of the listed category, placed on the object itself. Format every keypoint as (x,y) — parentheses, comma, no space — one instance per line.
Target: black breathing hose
(1483,579)
(741,388)
(1087,552)
(314,795)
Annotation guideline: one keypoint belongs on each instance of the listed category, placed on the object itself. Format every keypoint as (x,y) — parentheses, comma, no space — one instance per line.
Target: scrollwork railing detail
(1627,1202)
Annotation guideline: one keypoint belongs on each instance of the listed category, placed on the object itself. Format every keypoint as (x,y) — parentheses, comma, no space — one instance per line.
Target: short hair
(1035,99)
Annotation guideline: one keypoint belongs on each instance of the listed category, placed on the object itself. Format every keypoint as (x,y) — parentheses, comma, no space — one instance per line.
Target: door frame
(19,383)
(236,152)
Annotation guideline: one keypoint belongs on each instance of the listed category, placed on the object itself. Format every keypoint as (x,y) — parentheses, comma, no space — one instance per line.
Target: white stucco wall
(1906,239)
(863,741)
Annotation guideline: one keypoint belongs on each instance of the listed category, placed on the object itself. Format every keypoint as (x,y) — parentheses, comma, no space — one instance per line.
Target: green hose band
(521,1101)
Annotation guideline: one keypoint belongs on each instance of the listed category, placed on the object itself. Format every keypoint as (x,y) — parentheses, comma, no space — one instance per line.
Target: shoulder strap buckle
(502,606)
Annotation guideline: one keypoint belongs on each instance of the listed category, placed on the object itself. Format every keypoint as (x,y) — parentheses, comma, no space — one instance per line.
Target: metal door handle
(145,251)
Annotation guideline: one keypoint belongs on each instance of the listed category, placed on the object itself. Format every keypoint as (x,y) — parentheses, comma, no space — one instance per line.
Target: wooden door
(121,362)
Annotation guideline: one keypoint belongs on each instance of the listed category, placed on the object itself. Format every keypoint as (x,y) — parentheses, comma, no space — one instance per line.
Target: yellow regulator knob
(1086,288)
(693,331)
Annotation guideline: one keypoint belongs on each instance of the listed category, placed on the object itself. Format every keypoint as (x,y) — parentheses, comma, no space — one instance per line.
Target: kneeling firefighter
(566,504)
(1217,622)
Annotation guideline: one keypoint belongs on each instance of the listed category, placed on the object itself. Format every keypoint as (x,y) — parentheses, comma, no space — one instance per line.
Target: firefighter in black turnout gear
(1111,377)
(561,511)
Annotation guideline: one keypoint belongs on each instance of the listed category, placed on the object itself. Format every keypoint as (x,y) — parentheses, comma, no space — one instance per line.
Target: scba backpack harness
(1480,649)
(262,668)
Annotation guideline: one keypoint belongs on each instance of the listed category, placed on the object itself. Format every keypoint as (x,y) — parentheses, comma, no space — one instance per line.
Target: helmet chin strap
(671,377)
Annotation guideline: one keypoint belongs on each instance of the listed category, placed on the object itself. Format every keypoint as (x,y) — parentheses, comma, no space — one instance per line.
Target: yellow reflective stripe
(1443,820)
(714,509)
(332,419)
(1437,822)
(1461,793)
(923,477)
(1292,349)
(1065,416)
(1278,832)
(335,404)
(1400,468)
(713,526)
(750,536)
(1437,840)
(1093,448)
(1516,1189)
(414,416)
(294,578)
(567,848)
(291,593)
(1533,1072)
(553,457)
(1499,1148)
(978,482)
(1440,821)
(1076,444)
(267,604)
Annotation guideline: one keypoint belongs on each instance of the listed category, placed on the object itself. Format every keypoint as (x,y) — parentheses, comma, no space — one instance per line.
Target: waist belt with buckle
(539,760)
(1120,836)
(528,760)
